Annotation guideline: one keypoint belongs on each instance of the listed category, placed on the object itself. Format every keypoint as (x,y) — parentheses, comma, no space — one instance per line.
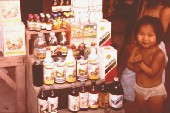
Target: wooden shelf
(92,111)
(32,91)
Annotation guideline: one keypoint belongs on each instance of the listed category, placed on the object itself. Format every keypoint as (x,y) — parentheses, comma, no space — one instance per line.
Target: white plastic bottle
(93,64)
(70,62)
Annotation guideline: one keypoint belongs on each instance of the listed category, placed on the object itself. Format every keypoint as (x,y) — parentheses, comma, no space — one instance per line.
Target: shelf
(28,33)
(58,86)
(92,111)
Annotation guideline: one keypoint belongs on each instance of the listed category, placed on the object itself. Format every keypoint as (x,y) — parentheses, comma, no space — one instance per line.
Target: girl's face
(146,36)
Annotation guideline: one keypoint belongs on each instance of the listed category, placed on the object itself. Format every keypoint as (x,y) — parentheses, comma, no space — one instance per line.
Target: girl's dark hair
(154,22)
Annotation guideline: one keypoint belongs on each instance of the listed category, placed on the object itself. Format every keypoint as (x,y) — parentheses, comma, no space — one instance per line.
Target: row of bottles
(47,103)
(53,21)
(84,99)
(69,69)
(41,42)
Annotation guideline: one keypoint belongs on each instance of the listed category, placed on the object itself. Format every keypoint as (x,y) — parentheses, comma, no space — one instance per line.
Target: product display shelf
(32,93)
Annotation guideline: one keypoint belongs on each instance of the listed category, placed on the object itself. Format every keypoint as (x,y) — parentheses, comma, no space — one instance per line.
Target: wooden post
(20,91)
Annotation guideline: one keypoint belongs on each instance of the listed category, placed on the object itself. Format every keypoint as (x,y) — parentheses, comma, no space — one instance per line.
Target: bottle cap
(52,87)
(42,88)
(116,79)
(52,33)
(40,34)
(63,33)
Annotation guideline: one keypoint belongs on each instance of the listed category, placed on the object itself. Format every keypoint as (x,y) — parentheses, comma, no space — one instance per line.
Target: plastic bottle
(70,66)
(48,68)
(40,46)
(93,64)
(59,68)
(52,43)
(81,64)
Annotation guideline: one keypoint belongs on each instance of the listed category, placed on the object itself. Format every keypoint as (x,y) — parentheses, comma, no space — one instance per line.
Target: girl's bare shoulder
(159,54)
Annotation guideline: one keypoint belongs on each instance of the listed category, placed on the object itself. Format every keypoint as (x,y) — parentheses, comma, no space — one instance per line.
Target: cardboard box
(103,33)
(10,11)
(108,63)
(13,35)
(76,35)
(1,39)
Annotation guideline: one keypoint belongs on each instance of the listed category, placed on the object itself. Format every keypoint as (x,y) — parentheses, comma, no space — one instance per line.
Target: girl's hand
(137,58)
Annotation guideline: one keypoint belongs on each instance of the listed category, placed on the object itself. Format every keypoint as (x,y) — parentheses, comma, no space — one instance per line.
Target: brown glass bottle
(116,95)
(103,96)
(83,97)
(93,96)
(42,101)
(73,99)
(52,101)
(37,72)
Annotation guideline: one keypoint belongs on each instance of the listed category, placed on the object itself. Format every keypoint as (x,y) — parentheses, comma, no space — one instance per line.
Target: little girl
(148,61)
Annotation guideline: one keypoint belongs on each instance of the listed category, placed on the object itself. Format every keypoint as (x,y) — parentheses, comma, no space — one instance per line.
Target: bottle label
(49,27)
(116,101)
(40,53)
(82,70)
(53,50)
(90,31)
(43,25)
(52,104)
(48,73)
(84,100)
(64,50)
(59,71)
(30,25)
(93,100)
(73,103)
(42,105)
(37,26)
(70,71)
(103,100)
(93,69)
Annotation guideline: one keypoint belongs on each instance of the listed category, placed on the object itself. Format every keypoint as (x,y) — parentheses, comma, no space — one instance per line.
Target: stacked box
(108,63)
(1,41)
(103,33)
(13,36)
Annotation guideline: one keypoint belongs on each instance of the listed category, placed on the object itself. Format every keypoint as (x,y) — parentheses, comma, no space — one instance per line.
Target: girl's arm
(131,64)
(151,71)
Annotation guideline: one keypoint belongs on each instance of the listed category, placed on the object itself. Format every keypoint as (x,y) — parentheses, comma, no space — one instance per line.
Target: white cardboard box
(10,11)
(108,63)
(13,36)
(103,33)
